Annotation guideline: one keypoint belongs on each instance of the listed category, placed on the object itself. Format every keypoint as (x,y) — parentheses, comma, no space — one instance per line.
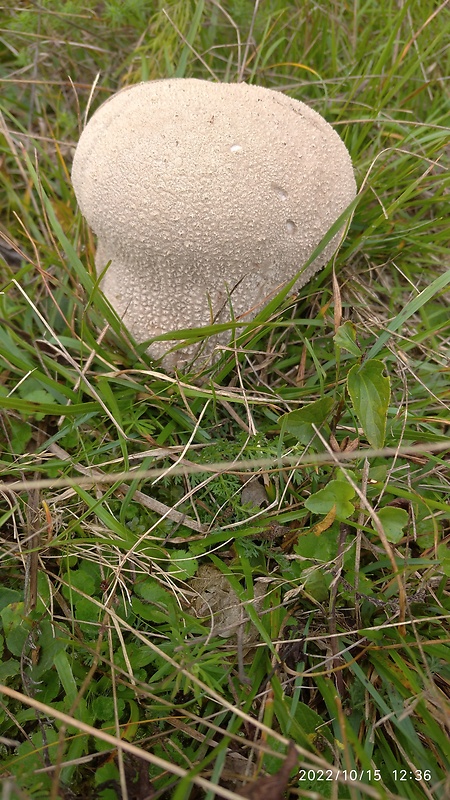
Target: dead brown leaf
(326,522)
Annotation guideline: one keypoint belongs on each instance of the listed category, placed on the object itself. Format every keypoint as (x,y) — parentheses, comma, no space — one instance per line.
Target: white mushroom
(205,195)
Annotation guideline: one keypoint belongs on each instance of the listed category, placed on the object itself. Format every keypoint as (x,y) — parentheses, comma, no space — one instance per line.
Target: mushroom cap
(204,195)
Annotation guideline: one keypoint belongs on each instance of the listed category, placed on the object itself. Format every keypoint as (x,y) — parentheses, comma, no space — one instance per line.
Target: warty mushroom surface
(204,196)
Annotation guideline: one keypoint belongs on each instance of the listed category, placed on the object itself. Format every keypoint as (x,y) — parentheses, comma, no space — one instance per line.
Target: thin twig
(271,465)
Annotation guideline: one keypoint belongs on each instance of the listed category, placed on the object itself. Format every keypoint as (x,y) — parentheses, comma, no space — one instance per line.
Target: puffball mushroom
(206,197)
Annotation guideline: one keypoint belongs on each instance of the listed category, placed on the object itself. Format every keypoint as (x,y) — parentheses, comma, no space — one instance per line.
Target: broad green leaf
(183,565)
(370,393)
(336,494)
(21,435)
(152,591)
(49,645)
(103,707)
(393,521)
(78,579)
(299,422)
(86,612)
(8,669)
(28,757)
(345,337)
(149,611)
(14,620)
(40,396)
(317,585)
(50,685)
(321,548)
(9,596)
(107,773)
(443,552)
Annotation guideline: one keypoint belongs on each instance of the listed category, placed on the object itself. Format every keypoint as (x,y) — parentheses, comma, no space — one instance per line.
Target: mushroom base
(139,307)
